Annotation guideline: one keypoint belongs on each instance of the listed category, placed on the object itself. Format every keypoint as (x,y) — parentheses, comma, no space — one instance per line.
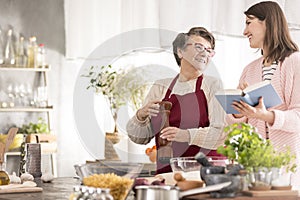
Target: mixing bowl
(129,170)
(188,166)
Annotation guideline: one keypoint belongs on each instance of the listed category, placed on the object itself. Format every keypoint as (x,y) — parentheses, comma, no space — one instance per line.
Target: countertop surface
(61,188)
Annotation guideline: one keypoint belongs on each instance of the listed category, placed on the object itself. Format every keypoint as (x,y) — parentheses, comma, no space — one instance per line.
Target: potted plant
(119,87)
(38,129)
(283,165)
(246,147)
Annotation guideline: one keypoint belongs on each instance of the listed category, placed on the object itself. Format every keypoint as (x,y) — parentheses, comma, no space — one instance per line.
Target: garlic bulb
(27,177)
(14,178)
(47,177)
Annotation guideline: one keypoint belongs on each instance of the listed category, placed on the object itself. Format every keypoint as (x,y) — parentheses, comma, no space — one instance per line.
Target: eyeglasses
(201,48)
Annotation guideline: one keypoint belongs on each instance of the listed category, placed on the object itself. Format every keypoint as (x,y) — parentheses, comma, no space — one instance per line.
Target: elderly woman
(196,119)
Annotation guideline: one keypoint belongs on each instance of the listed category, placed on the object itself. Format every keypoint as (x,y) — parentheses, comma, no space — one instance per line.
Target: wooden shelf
(26,109)
(15,68)
(13,153)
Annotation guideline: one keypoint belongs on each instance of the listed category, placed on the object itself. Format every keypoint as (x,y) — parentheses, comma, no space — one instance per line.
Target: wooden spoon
(2,151)
(184,184)
(10,137)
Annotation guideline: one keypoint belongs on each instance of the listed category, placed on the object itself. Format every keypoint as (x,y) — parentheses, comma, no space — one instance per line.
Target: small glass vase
(260,179)
(281,180)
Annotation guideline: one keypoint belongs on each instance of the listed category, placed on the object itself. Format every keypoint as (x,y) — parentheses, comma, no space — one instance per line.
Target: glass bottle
(21,58)
(91,192)
(9,52)
(32,52)
(244,180)
(76,192)
(41,56)
(98,195)
(4,178)
(165,151)
(1,48)
(106,194)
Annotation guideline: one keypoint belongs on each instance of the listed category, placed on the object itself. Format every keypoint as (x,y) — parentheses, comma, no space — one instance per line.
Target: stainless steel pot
(166,192)
(153,192)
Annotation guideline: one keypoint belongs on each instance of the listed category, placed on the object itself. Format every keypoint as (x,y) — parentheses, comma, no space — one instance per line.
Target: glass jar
(4,178)
(9,51)
(260,179)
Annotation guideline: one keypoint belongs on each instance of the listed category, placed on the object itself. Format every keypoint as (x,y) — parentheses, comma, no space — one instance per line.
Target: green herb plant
(246,147)
(40,127)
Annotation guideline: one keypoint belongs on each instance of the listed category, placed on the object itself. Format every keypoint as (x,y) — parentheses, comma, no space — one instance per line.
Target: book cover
(250,95)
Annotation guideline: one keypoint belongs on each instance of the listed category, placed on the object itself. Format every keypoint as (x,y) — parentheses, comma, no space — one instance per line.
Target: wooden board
(274,193)
(21,190)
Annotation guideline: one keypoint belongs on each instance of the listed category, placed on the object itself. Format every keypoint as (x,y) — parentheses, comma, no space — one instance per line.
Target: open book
(250,95)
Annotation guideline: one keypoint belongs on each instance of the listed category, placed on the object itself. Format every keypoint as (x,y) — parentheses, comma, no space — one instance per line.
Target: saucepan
(167,192)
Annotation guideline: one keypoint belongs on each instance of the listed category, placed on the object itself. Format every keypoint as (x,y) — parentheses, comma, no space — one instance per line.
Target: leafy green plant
(40,127)
(285,159)
(245,146)
(240,139)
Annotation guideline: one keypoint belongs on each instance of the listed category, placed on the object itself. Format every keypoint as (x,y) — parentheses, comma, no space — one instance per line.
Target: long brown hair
(277,40)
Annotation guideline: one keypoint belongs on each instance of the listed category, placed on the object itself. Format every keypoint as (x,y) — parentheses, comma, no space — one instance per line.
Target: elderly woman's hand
(175,134)
(150,109)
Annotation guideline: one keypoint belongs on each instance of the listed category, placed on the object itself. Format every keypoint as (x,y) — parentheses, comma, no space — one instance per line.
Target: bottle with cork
(32,52)
(41,56)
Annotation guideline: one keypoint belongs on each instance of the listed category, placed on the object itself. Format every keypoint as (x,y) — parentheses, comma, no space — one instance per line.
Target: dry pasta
(119,186)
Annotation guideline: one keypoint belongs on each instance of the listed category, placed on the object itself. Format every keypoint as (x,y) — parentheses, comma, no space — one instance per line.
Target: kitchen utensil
(187,166)
(184,184)
(33,159)
(153,192)
(129,170)
(2,151)
(26,184)
(228,192)
(10,137)
(201,158)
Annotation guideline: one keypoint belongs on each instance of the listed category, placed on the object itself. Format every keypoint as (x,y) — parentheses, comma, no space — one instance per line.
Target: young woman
(267,30)
(196,118)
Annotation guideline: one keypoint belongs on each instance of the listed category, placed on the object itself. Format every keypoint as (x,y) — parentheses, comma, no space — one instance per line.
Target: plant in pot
(283,165)
(104,80)
(39,129)
(246,147)
(119,87)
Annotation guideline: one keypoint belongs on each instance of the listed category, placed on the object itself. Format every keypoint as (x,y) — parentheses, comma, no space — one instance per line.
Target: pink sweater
(286,128)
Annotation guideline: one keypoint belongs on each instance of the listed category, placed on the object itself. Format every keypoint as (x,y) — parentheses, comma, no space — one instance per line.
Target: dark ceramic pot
(229,191)
(211,170)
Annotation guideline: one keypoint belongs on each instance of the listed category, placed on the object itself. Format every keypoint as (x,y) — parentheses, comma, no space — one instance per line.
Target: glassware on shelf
(41,97)
(9,52)
(1,48)
(4,177)
(32,52)
(41,56)
(21,58)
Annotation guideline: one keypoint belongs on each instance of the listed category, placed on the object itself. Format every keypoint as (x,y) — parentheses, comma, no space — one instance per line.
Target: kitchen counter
(61,188)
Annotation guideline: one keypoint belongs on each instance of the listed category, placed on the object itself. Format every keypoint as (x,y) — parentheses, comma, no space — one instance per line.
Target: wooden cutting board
(21,190)
(274,193)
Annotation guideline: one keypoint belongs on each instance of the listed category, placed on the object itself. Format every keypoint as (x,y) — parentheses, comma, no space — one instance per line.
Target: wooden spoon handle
(10,137)
(2,151)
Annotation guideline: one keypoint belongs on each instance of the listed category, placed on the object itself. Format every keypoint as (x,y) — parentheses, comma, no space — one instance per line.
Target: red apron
(188,111)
